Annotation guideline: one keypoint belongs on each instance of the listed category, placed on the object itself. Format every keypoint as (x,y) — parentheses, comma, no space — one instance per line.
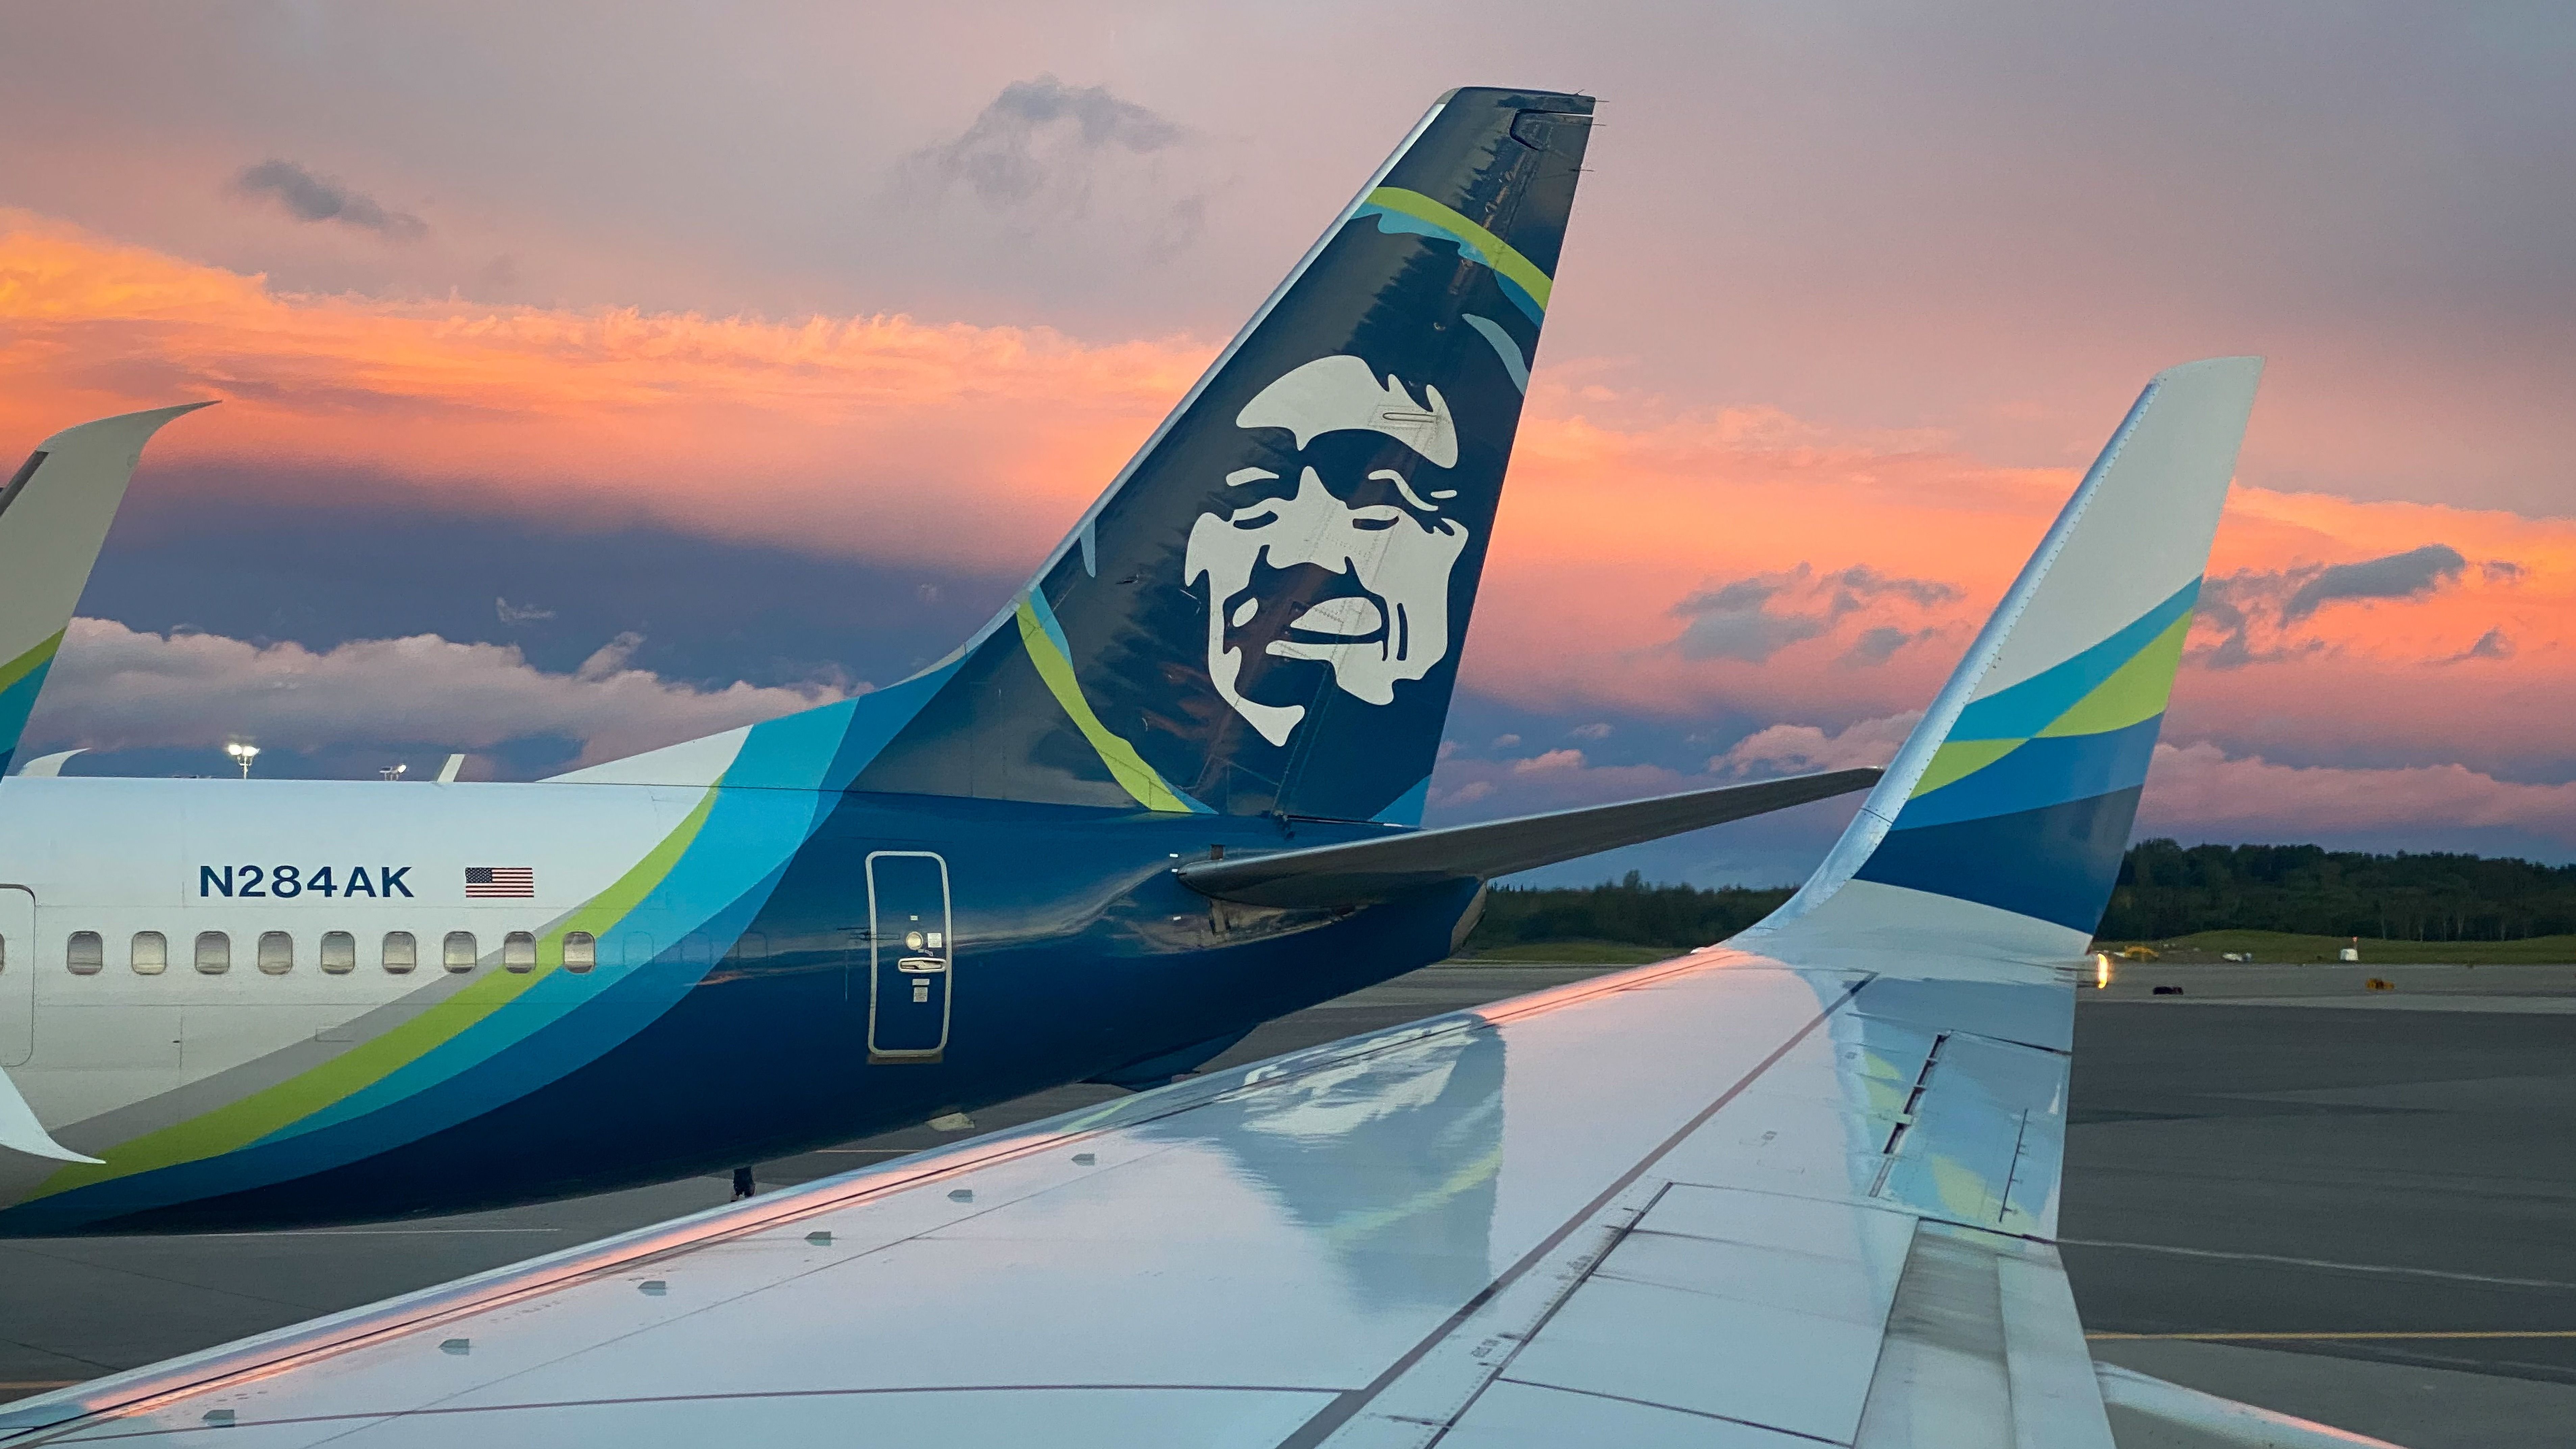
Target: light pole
(242,755)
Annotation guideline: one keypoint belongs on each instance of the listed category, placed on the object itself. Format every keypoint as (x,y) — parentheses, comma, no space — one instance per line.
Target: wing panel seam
(1348,1405)
(1667,1408)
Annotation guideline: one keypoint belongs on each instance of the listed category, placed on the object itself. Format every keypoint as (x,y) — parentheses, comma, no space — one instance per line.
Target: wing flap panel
(1982,1348)
(1942,1377)
(1729,1305)
(1817,1125)
(1969,1148)
(2057,1401)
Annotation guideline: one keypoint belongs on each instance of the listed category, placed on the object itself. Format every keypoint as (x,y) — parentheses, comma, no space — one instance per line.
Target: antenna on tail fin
(1263,614)
(2001,822)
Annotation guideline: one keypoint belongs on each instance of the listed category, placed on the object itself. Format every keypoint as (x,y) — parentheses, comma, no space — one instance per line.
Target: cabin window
(214,953)
(639,949)
(84,953)
(276,953)
(339,952)
(693,949)
(150,953)
(458,953)
(581,950)
(519,952)
(401,953)
(750,946)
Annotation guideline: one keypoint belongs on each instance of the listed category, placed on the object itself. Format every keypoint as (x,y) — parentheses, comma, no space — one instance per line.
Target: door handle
(921,965)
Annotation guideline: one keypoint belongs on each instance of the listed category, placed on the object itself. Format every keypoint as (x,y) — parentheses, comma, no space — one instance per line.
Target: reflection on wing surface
(1425,1118)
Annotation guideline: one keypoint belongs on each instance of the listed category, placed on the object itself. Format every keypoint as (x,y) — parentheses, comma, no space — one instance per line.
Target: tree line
(2165,890)
(1628,910)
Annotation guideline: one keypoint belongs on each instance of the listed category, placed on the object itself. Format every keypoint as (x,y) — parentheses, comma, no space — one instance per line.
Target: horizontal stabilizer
(1371,870)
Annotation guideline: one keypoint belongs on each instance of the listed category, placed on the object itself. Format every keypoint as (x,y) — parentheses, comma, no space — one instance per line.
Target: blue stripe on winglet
(2030,706)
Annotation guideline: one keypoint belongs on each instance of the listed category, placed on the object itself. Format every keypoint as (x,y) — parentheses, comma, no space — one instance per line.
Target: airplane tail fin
(53,519)
(2001,822)
(1263,614)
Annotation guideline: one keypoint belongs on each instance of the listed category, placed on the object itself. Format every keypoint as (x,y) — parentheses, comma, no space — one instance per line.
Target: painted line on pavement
(2381,1268)
(2326,1337)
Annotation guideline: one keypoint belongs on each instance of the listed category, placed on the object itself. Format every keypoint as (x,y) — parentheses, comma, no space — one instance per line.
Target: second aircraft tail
(53,520)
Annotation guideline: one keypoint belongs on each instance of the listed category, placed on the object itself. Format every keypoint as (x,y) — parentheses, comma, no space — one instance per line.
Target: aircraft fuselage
(376,1001)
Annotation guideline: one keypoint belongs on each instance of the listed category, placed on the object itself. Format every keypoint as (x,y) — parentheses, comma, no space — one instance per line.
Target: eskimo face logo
(1344,554)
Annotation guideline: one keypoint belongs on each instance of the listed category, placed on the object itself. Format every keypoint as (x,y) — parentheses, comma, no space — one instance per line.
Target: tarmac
(2282,1186)
(2353,1205)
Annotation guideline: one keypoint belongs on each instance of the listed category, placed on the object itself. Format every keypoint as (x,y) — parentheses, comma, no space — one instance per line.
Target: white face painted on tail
(1378,530)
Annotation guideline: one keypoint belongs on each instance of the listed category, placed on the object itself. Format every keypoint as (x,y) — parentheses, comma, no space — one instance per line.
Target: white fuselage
(241,881)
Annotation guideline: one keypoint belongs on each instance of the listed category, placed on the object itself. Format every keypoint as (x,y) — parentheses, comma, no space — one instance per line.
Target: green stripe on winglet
(34,659)
(262,1113)
(2135,691)
(1956,760)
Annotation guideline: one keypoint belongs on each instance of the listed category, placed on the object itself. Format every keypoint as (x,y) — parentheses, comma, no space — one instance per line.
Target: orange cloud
(1608,531)
(1728,564)
(945,444)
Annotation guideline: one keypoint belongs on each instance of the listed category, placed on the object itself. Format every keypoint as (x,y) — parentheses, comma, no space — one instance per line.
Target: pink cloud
(1832,574)
(2200,790)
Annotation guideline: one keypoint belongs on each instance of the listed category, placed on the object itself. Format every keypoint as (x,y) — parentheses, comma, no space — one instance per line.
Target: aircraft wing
(1722,1200)
(1799,1189)
(1367,870)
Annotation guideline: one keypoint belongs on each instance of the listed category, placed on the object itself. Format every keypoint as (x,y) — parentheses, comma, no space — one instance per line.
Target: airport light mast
(243,753)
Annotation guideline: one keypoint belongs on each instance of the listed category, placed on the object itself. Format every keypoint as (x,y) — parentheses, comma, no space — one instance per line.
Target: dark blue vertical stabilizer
(1265,611)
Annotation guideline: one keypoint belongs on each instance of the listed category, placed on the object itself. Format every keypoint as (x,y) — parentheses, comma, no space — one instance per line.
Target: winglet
(21,1131)
(54,517)
(2015,793)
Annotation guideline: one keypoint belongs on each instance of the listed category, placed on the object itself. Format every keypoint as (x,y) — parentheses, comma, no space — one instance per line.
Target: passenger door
(910,983)
(17,975)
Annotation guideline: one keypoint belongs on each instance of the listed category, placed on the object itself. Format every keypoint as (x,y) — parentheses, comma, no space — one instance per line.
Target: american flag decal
(500,882)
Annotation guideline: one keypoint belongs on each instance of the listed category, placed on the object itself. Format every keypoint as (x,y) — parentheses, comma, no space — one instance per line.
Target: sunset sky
(596,376)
